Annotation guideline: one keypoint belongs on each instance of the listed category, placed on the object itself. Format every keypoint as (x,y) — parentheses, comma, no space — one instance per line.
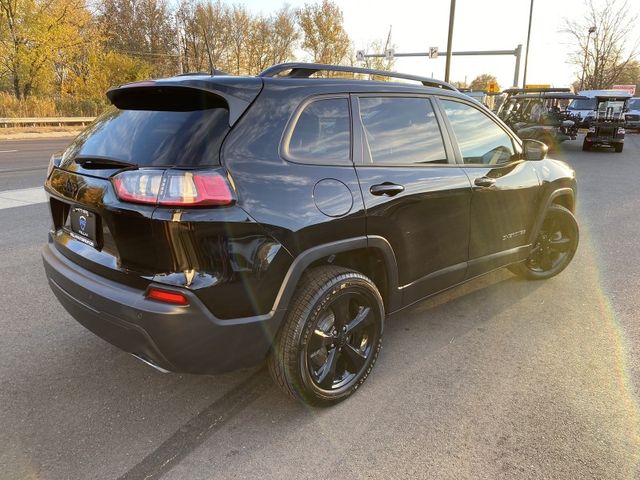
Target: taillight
(174,188)
(167,297)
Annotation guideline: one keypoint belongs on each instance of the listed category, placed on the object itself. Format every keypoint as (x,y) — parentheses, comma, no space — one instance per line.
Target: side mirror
(534,150)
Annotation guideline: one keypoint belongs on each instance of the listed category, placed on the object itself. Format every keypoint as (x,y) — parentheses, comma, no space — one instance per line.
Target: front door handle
(387,188)
(484,182)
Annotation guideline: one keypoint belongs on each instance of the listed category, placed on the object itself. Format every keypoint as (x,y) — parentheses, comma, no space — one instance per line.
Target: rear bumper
(186,339)
(604,140)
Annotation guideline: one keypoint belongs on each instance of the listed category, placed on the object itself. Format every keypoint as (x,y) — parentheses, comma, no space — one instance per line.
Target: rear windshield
(583,104)
(156,138)
(634,104)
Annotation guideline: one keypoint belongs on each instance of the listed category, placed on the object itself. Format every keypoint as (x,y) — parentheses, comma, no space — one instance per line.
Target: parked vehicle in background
(608,125)
(543,117)
(507,104)
(208,223)
(632,117)
(585,109)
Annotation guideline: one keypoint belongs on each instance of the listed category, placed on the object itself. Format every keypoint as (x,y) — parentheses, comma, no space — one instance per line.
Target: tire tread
(282,364)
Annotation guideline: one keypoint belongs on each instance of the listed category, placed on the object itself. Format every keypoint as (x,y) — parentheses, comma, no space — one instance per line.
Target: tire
(586,147)
(554,248)
(618,147)
(319,339)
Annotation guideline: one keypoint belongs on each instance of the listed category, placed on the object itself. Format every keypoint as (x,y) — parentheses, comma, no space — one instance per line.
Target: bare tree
(379,63)
(239,24)
(602,56)
(143,28)
(212,28)
(630,75)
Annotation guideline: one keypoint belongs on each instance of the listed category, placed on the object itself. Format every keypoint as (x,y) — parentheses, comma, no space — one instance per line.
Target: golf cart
(543,116)
(508,103)
(607,126)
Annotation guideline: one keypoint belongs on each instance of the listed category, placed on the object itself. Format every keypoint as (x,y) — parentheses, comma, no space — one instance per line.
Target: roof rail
(305,70)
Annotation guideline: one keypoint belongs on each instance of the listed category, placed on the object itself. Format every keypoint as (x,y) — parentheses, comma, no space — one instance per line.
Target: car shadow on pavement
(92,396)
(423,320)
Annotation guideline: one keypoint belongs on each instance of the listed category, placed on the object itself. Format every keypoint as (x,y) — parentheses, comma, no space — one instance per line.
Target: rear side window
(401,131)
(481,140)
(321,135)
(156,138)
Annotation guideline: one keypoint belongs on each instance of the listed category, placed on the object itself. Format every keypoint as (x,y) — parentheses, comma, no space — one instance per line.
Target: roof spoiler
(186,94)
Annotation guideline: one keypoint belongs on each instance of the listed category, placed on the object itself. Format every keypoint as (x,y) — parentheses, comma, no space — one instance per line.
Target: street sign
(627,88)
(389,53)
(360,56)
(433,52)
(492,87)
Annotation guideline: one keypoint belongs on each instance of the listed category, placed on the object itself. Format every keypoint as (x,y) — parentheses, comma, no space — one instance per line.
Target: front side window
(321,135)
(480,139)
(401,131)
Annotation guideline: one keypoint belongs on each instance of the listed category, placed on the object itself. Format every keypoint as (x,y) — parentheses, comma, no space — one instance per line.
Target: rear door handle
(484,182)
(387,188)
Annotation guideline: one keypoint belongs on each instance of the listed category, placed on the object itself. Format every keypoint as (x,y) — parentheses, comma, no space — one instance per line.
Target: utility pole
(452,14)
(180,66)
(586,51)
(526,54)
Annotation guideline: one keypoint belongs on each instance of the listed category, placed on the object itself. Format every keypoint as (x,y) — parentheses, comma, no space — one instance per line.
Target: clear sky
(479,25)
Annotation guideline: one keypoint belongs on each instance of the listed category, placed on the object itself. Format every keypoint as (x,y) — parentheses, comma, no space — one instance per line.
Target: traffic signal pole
(517,53)
(526,55)
(452,14)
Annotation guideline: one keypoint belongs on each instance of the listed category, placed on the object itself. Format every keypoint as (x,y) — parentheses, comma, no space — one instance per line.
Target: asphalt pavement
(498,379)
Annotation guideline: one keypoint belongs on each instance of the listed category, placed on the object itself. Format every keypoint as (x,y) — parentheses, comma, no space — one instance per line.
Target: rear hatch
(157,148)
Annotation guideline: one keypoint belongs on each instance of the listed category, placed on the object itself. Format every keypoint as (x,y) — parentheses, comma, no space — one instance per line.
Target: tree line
(74,48)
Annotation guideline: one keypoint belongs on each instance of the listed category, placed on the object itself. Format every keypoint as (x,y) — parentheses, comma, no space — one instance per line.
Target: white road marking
(22,197)
(8,151)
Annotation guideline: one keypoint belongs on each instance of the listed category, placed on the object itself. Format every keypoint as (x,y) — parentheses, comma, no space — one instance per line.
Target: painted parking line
(8,151)
(22,197)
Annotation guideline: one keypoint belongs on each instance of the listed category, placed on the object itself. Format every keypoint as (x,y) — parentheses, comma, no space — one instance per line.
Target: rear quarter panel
(277,193)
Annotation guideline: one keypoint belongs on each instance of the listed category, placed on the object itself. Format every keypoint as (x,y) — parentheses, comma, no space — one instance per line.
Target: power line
(145,54)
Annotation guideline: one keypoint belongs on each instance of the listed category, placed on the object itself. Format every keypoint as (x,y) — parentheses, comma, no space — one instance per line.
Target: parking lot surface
(499,378)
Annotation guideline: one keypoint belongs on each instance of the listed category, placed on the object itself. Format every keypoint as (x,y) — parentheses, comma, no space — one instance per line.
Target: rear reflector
(174,188)
(167,297)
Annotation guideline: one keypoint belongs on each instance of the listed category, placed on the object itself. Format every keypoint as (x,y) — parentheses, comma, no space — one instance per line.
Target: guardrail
(47,121)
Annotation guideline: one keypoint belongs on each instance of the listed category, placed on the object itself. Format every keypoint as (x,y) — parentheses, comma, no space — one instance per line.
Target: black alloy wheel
(554,247)
(342,341)
(330,338)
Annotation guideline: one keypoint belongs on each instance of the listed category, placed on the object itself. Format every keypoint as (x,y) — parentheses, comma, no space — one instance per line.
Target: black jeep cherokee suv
(208,223)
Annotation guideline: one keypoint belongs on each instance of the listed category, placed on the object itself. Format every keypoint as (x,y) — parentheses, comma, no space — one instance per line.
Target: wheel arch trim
(307,257)
(560,192)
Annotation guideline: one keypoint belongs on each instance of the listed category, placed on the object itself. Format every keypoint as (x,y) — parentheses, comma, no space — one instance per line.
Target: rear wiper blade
(96,161)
